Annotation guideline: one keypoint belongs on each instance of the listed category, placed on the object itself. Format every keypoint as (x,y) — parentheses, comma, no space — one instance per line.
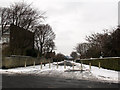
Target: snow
(95,73)
(105,74)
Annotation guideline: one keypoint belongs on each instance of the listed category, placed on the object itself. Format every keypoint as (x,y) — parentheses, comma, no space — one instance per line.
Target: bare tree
(20,14)
(74,55)
(82,48)
(59,57)
(99,41)
(44,37)
(49,46)
(4,14)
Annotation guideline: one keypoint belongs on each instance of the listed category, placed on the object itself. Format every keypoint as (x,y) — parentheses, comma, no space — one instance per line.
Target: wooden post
(57,64)
(99,65)
(25,63)
(81,65)
(34,63)
(41,65)
(64,65)
(44,62)
(73,66)
(90,66)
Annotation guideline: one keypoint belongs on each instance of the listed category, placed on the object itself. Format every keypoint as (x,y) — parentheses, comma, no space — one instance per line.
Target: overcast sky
(72,20)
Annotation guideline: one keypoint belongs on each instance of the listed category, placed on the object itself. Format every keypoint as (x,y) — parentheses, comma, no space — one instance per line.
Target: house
(18,39)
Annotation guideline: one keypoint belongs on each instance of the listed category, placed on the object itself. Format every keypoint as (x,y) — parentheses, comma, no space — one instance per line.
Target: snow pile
(94,74)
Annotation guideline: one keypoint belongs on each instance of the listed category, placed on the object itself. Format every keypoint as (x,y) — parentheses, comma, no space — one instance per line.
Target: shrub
(112,63)
(31,52)
(58,57)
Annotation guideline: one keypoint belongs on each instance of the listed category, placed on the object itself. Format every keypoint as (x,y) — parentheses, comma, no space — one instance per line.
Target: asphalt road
(31,81)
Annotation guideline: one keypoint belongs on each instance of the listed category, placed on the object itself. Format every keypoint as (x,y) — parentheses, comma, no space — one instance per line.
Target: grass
(111,63)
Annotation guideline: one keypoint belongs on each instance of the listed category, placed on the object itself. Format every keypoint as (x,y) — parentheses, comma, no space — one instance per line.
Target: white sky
(72,20)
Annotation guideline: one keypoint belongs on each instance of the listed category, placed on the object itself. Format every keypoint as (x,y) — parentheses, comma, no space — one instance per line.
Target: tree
(20,14)
(74,55)
(105,44)
(113,46)
(4,14)
(59,57)
(44,37)
(99,43)
(82,49)
(49,46)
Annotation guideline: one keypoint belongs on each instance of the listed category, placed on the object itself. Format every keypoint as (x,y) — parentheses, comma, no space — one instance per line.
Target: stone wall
(12,62)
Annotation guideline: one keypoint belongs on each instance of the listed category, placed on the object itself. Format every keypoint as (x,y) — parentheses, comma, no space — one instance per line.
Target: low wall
(107,63)
(12,62)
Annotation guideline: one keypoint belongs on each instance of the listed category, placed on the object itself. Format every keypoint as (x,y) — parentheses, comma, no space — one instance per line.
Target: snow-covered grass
(105,74)
(94,74)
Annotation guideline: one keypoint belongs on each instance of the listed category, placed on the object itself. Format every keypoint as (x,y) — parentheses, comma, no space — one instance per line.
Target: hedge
(110,63)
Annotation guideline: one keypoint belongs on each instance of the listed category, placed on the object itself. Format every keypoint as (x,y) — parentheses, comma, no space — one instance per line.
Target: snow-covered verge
(95,73)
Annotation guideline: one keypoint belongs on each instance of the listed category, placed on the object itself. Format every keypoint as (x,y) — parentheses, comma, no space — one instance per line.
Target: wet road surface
(32,81)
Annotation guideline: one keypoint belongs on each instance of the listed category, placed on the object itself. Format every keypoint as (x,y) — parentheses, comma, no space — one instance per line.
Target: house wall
(20,40)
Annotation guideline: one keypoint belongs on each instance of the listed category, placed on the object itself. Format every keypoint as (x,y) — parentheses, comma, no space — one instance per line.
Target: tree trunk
(41,47)
(38,55)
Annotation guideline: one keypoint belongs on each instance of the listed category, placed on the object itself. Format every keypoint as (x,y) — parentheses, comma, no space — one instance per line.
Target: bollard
(73,66)
(90,66)
(81,65)
(57,65)
(41,65)
(25,63)
(34,63)
(99,65)
(52,61)
(64,65)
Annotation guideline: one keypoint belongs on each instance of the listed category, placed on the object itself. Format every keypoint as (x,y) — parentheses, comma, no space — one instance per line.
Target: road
(32,81)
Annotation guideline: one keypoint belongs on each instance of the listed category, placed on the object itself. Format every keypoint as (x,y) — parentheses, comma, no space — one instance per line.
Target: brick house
(18,39)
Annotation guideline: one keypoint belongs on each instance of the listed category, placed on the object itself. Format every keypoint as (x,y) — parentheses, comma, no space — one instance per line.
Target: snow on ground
(105,74)
(95,73)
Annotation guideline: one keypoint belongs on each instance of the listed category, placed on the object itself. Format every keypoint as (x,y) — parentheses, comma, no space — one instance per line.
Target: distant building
(68,57)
